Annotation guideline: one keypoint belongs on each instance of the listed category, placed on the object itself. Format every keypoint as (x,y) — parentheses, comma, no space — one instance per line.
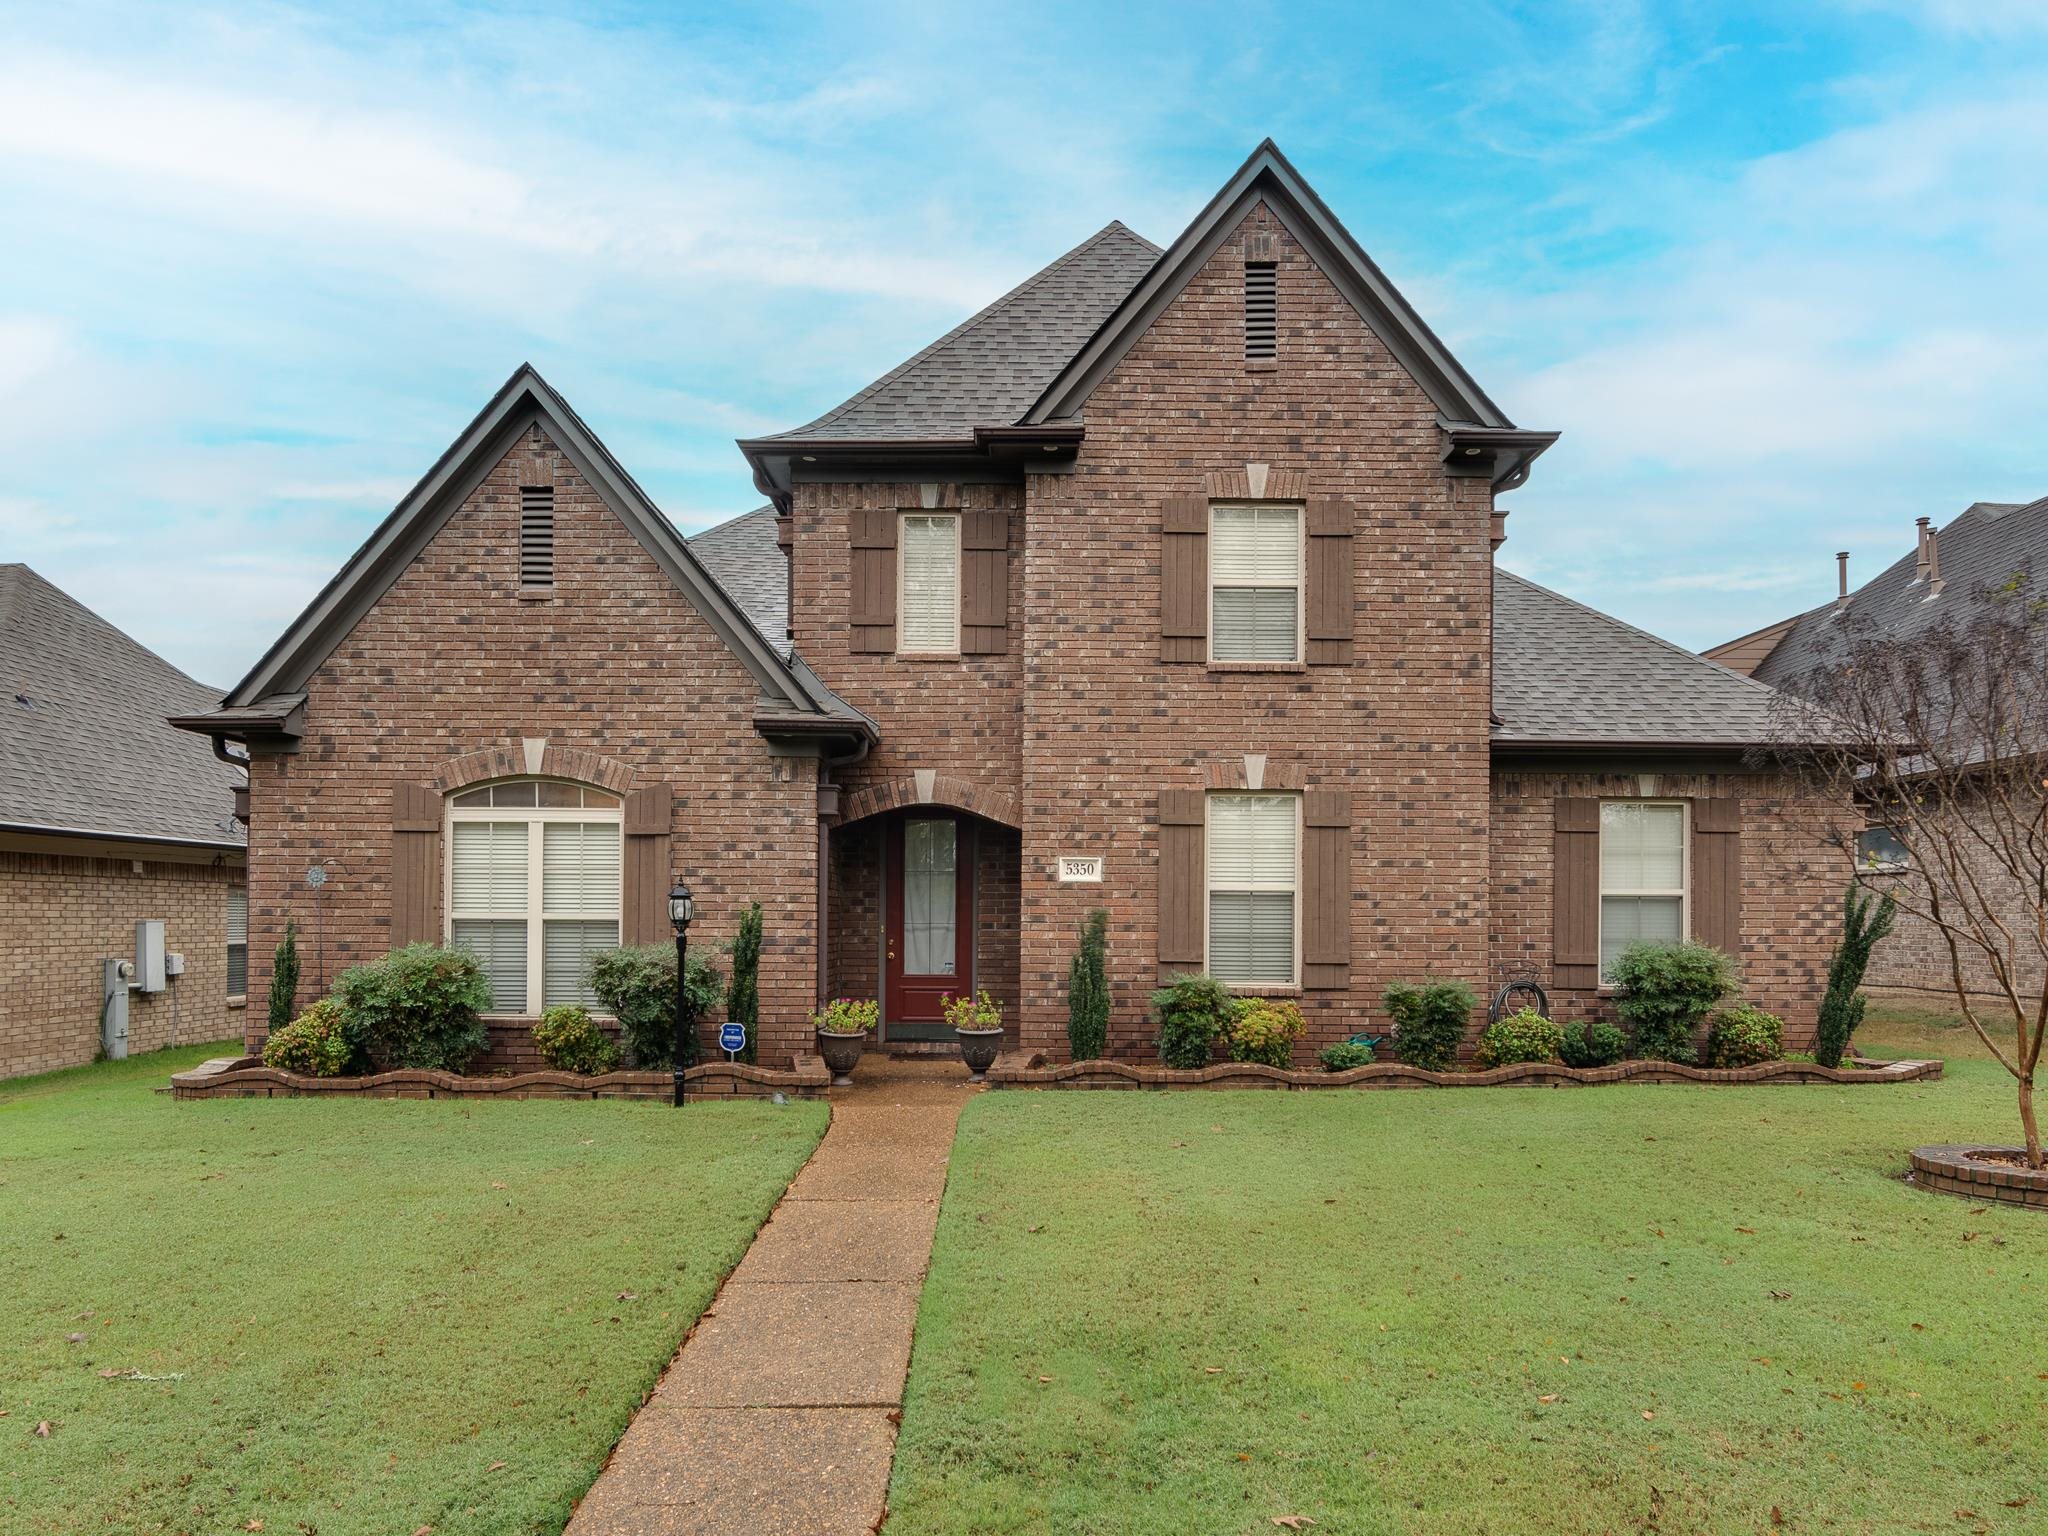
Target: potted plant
(978,1022)
(843,1026)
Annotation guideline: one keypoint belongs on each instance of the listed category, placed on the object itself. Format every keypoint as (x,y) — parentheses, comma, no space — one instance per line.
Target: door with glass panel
(928,923)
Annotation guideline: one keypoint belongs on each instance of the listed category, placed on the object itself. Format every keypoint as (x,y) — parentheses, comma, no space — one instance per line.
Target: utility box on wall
(149,954)
(114,978)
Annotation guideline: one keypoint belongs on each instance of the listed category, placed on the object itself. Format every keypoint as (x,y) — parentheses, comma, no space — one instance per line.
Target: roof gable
(1268,176)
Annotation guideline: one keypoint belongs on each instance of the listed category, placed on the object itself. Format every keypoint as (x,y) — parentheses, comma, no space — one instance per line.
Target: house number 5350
(1076,871)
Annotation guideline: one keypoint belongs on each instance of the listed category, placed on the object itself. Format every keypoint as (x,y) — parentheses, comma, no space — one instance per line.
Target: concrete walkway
(778,1415)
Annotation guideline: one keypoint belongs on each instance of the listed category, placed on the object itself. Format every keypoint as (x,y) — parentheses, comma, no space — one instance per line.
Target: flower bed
(1960,1170)
(246,1077)
(1029,1069)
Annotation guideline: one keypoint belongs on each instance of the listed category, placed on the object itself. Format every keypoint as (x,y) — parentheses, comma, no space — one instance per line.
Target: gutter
(104,835)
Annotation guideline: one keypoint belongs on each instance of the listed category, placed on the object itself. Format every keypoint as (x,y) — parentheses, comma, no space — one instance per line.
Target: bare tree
(1938,731)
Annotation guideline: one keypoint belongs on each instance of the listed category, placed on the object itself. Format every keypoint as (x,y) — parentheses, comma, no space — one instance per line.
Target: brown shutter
(1331,580)
(871,597)
(1184,579)
(1575,896)
(415,864)
(1181,918)
(1717,874)
(644,897)
(984,583)
(1326,890)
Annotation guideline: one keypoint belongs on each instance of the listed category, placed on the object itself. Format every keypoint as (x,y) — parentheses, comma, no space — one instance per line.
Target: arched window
(533,886)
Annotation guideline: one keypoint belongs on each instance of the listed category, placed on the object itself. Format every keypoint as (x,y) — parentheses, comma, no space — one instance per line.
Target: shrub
(1518,1037)
(1666,991)
(977,1012)
(1192,1010)
(1594,1043)
(284,977)
(1841,1008)
(315,1044)
(1345,1055)
(417,1007)
(847,1016)
(569,1040)
(636,984)
(1744,1035)
(743,995)
(1264,1029)
(1429,1021)
(1088,991)
(1805,1056)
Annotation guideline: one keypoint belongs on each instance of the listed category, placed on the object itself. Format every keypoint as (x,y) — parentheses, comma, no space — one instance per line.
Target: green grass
(345,1316)
(1197,1311)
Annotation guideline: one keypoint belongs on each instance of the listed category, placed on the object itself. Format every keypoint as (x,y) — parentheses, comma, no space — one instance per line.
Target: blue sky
(1776,272)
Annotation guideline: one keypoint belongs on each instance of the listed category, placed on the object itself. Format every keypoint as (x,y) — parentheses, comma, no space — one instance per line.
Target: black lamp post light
(680,909)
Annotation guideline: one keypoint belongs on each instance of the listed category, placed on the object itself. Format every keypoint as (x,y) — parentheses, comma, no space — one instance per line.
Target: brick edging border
(1027,1069)
(1949,1170)
(246,1078)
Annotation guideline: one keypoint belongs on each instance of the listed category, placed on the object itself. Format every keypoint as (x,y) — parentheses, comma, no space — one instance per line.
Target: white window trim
(535,916)
(1209,886)
(1300,580)
(1683,893)
(903,587)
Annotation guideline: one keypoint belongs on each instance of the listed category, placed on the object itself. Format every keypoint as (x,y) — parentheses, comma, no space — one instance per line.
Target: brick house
(108,818)
(1164,584)
(1947,568)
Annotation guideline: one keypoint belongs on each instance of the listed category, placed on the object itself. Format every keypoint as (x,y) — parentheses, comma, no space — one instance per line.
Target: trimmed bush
(1088,991)
(569,1040)
(315,1044)
(284,978)
(1429,1021)
(1744,1035)
(636,983)
(1192,1010)
(743,995)
(1519,1037)
(1841,1007)
(1593,1043)
(418,1007)
(1345,1055)
(1665,992)
(1264,1029)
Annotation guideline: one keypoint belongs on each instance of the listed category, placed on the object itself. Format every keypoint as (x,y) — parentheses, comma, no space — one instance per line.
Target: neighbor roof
(84,746)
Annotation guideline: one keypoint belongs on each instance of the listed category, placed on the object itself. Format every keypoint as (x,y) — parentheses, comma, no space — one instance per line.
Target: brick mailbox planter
(1029,1069)
(246,1077)
(1958,1171)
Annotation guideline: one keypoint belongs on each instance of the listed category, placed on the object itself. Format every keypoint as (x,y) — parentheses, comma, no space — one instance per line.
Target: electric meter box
(149,954)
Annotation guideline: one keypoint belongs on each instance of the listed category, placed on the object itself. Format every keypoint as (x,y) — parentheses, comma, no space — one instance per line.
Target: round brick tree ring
(1963,1171)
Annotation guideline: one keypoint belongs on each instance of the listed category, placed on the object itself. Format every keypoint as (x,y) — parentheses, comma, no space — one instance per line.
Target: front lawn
(361,1316)
(1617,1309)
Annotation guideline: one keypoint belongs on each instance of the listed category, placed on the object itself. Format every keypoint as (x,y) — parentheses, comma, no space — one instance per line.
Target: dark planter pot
(842,1055)
(979,1049)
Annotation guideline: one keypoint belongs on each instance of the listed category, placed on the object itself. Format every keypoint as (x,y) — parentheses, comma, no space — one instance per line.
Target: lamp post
(680,908)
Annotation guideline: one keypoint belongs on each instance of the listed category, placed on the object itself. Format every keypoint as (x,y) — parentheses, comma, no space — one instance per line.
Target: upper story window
(1255,583)
(1254,872)
(536,536)
(534,881)
(1642,875)
(928,583)
(1261,310)
(1882,850)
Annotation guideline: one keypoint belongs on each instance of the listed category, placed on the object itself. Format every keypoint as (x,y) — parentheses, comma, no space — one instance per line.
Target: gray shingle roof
(989,370)
(1563,672)
(744,558)
(84,746)
(1981,548)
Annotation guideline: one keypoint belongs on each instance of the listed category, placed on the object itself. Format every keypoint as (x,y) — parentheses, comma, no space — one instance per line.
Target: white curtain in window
(1626,919)
(579,882)
(489,874)
(929,604)
(1642,847)
(1255,573)
(1253,866)
(500,946)
(930,887)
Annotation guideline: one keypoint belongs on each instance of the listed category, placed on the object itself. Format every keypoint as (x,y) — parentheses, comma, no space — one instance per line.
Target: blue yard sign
(732,1038)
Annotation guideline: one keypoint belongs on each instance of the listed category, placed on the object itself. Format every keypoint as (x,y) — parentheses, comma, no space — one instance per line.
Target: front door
(928,923)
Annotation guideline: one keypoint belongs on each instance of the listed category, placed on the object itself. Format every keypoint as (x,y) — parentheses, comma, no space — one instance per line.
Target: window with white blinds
(238,940)
(1255,583)
(1254,870)
(928,583)
(1642,875)
(534,888)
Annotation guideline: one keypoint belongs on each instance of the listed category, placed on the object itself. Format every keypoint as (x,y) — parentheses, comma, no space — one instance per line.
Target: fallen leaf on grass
(1043,1380)
(1751,1231)
(495,1184)
(74,1338)
(1293,1522)
(45,1429)
(253,1525)
(1039,1228)
(629,1295)
(1781,1295)
(2019,1503)
(1777,1515)
(496,1466)
(1549,1397)
(1649,1414)
(1212,1370)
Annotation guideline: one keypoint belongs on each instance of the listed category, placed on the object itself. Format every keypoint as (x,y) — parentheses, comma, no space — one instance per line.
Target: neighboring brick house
(108,817)
(1164,584)
(1983,548)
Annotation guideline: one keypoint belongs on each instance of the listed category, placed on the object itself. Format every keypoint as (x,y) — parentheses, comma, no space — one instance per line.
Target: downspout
(220,750)
(828,806)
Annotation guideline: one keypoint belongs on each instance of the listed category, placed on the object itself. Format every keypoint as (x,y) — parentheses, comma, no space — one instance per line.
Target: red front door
(928,922)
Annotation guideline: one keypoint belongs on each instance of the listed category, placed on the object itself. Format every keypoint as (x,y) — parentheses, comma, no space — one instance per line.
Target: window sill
(239,1000)
(1258,666)
(1277,989)
(941,656)
(1262,365)
(536,594)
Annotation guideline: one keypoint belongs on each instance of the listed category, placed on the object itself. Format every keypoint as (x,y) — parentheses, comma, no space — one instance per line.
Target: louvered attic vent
(1261,310)
(536,535)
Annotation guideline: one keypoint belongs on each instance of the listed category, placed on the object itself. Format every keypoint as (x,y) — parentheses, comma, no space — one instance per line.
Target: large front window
(1255,583)
(1642,875)
(534,887)
(1253,875)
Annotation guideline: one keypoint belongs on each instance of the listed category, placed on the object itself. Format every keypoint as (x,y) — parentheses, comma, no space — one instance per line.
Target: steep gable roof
(84,746)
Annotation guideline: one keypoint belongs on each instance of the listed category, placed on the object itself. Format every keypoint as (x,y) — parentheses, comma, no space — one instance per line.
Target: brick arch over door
(985,801)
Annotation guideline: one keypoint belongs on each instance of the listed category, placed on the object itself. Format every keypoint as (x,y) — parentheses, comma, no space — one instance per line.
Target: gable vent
(1261,309)
(536,535)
